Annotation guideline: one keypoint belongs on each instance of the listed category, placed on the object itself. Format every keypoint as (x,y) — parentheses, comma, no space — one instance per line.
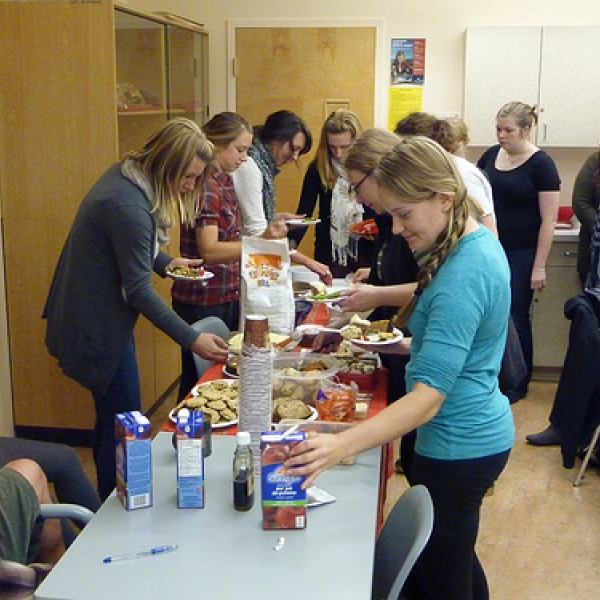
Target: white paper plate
(195,391)
(207,275)
(302,222)
(361,341)
(219,425)
(229,373)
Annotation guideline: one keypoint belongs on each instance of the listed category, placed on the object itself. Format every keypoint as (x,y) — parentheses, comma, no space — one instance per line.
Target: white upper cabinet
(553,68)
(569,87)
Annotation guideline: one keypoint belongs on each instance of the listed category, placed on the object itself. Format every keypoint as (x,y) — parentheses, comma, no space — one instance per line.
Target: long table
(222,553)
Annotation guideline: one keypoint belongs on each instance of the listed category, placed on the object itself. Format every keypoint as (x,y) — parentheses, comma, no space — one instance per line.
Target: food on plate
(318,287)
(286,407)
(352,332)
(383,326)
(187,271)
(366,227)
(325,295)
(278,340)
(358,321)
(362,330)
(218,398)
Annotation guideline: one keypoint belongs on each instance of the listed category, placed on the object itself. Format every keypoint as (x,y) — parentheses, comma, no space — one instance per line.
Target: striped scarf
(266,163)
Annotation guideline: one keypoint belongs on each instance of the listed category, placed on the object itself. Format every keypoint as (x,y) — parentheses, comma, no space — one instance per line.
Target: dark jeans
(449,569)
(229,313)
(123,395)
(521,265)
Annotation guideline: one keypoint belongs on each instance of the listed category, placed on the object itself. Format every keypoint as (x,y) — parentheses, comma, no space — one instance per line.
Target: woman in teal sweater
(458,319)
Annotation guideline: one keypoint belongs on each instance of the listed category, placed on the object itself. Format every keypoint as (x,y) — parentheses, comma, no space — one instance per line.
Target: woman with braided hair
(458,319)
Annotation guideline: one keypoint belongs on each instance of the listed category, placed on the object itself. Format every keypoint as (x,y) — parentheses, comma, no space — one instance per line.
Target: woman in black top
(326,184)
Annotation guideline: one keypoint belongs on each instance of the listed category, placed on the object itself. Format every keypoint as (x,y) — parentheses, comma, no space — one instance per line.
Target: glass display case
(161,73)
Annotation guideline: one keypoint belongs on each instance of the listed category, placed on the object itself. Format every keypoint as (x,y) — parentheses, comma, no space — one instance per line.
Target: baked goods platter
(219,399)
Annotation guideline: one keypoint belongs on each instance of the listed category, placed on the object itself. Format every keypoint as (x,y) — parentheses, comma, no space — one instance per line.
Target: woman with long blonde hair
(103,280)
(326,190)
(458,319)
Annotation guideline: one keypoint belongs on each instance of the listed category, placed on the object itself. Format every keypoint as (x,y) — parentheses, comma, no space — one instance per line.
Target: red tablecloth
(319,315)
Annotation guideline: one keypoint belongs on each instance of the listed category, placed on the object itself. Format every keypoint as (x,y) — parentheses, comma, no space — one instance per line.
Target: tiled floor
(540,536)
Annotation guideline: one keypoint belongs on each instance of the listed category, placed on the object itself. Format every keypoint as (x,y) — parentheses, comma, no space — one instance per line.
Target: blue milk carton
(190,458)
(134,460)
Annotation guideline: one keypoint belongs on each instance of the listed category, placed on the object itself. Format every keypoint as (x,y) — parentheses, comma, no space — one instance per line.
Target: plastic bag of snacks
(337,402)
(266,285)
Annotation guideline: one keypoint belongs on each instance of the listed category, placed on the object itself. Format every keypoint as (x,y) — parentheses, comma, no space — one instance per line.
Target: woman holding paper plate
(215,236)
(326,185)
(103,280)
(282,139)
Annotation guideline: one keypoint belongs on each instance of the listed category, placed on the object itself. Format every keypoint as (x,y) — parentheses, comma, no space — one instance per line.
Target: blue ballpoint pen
(141,554)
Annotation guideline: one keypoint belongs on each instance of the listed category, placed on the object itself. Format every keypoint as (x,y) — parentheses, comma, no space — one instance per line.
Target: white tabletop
(225,554)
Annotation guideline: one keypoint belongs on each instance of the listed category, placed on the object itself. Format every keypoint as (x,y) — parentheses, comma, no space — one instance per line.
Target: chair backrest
(208,325)
(18,581)
(402,539)
(81,514)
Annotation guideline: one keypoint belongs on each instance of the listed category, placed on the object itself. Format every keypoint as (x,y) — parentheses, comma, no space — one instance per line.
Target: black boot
(549,437)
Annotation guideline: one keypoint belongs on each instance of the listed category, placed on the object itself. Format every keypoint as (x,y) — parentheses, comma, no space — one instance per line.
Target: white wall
(442,23)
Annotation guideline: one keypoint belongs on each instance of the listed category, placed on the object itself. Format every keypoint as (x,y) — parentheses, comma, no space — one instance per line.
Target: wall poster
(407,75)
(407,61)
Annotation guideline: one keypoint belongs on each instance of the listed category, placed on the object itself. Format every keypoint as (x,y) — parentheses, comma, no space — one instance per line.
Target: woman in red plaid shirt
(216,237)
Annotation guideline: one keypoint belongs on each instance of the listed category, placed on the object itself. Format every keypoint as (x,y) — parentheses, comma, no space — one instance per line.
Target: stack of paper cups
(256,382)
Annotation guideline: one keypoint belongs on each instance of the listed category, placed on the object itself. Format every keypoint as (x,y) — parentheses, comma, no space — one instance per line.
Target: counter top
(567,235)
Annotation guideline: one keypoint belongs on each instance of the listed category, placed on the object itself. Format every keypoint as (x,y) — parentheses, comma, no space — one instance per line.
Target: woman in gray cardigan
(103,280)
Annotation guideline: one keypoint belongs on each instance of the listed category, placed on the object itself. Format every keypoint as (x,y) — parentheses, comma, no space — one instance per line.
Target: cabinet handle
(569,253)
(544,132)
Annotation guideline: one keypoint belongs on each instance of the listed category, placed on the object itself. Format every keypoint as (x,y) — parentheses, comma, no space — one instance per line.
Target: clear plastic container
(295,375)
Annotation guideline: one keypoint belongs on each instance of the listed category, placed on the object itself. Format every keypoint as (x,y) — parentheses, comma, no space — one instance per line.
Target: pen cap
(243,438)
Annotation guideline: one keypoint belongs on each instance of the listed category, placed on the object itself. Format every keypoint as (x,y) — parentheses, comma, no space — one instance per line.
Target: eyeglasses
(355,188)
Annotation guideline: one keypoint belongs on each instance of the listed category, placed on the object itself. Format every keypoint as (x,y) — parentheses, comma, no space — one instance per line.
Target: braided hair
(415,170)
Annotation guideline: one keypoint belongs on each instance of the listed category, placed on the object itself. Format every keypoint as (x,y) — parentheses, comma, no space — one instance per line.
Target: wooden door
(311,71)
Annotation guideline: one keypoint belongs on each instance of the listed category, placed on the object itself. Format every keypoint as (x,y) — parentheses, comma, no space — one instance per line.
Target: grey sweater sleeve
(133,241)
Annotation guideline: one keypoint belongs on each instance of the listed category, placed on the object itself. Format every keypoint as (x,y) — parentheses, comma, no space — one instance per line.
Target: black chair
(404,534)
